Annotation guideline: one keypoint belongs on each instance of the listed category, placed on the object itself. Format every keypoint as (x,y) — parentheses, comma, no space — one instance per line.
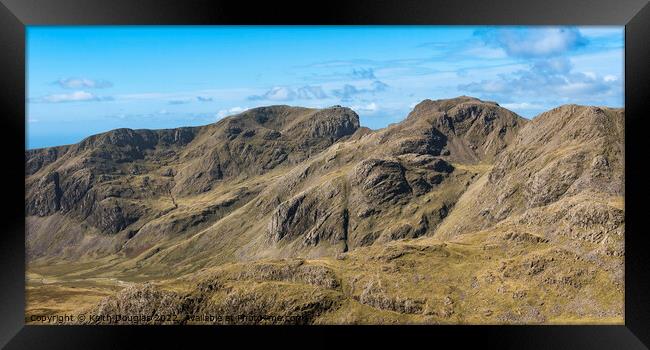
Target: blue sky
(86,80)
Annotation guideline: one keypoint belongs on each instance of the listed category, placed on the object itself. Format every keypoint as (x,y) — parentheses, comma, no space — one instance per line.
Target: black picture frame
(16,14)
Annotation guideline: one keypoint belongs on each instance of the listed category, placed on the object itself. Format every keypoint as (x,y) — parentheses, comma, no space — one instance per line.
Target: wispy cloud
(162,117)
(456,50)
(204,99)
(83,83)
(552,78)
(363,73)
(339,63)
(205,94)
(76,96)
(229,111)
(522,106)
(178,102)
(548,74)
(371,107)
(284,93)
(348,91)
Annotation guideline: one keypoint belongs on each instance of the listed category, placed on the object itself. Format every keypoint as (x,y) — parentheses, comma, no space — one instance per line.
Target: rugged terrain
(464,212)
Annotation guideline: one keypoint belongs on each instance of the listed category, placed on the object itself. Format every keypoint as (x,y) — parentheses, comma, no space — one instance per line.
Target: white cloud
(486,52)
(279,94)
(178,102)
(371,107)
(522,105)
(145,96)
(552,78)
(538,42)
(81,83)
(602,32)
(226,112)
(363,73)
(348,92)
(284,93)
(228,94)
(77,96)
(609,78)
(591,75)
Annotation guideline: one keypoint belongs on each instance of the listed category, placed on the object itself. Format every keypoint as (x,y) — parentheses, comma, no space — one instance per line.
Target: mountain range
(464,212)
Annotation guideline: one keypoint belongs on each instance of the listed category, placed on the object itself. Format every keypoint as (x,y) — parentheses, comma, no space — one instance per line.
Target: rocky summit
(462,213)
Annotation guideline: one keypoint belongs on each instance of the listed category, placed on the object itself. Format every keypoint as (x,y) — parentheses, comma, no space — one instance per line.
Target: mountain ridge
(285,183)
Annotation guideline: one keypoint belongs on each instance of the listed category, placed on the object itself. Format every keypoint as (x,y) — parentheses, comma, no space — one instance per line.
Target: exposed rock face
(465,129)
(138,304)
(110,216)
(314,275)
(81,179)
(374,295)
(382,180)
(224,296)
(47,199)
(313,216)
(37,158)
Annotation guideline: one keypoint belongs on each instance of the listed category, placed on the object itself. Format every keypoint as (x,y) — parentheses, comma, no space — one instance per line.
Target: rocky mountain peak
(429,106)
(463,128)
(284,118)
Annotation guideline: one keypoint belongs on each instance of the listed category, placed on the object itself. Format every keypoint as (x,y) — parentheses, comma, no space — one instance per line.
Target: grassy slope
(476,279)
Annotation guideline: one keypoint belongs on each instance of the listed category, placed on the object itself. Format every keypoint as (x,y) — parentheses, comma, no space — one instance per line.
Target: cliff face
(467,129)
(460,194)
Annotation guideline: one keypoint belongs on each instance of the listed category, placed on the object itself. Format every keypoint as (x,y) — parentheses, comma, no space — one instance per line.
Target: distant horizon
(85,80)
(297,106)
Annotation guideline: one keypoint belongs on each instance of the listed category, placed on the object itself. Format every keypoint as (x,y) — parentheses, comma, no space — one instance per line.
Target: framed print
(466,172)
